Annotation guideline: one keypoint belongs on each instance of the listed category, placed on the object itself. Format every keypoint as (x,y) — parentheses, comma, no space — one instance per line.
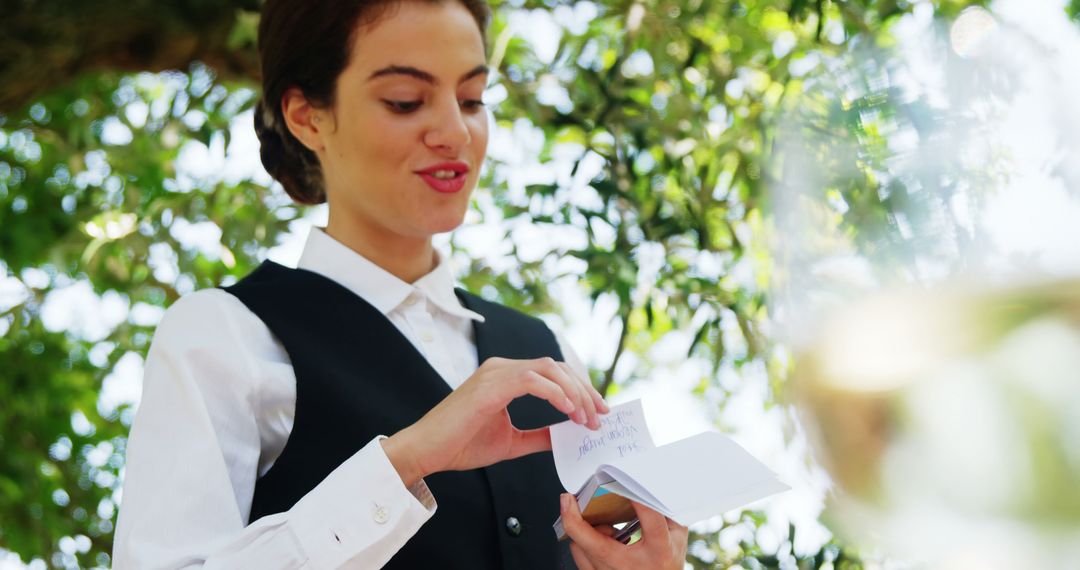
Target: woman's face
(408,131)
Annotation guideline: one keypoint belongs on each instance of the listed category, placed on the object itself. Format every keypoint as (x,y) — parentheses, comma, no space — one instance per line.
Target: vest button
(513,526)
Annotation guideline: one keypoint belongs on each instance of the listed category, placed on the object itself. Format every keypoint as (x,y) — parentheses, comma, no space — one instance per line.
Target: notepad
(689,480)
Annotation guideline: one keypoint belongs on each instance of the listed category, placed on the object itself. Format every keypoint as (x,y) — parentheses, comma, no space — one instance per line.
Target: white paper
(714,475)
(579,451)
(689,480)
(721,504)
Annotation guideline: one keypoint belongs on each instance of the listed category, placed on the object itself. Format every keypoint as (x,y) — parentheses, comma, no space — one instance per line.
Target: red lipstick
(445,185)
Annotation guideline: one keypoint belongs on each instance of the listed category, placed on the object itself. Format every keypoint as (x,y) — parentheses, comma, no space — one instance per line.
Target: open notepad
(688,481)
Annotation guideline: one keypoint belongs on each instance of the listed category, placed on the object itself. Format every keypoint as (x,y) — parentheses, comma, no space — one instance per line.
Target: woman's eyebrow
(422,75)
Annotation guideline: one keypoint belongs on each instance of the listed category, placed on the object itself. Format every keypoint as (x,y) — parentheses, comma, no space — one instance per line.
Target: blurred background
(846,232)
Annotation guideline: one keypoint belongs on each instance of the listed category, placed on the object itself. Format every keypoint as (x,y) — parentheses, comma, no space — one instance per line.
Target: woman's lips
(445,185)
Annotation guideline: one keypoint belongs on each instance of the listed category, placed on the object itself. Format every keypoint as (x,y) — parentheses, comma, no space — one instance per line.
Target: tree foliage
(669,112)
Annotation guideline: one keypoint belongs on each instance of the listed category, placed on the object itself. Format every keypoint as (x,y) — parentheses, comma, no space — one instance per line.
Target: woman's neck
(406,259)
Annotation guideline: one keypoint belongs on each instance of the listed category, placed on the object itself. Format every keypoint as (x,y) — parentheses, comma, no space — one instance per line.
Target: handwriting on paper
(579,450)
(617,431)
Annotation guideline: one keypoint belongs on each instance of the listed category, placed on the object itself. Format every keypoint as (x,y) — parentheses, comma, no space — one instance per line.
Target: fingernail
(562,502)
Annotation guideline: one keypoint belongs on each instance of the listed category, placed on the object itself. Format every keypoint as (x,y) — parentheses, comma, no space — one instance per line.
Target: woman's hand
(662,545)
(471,427)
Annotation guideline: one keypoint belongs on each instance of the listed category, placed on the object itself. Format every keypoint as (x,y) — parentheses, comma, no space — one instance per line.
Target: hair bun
(270,144)
(286,160)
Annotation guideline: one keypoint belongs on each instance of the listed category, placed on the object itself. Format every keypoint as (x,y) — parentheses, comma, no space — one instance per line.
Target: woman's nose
(449,130)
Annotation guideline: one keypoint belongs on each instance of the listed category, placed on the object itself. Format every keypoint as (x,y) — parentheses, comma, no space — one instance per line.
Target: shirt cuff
(362,509)
(419,489)
(423,494)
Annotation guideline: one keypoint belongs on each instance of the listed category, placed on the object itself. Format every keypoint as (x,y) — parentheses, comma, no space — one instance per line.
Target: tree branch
(46,44)
(609,374)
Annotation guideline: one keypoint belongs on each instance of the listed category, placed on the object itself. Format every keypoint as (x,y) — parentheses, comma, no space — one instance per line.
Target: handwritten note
(688,480)
(579,451)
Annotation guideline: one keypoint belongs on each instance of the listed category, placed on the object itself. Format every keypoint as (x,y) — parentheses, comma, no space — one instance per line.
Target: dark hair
(306,44)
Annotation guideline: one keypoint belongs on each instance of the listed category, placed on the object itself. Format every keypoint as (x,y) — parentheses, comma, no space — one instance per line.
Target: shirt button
(426,336)
(381,515)
(410,300)
(513,526)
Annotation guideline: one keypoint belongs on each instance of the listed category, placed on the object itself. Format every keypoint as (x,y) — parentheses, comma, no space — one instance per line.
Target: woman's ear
(306,122)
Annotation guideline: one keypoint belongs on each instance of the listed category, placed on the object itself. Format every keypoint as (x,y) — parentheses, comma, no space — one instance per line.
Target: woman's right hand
(471,427)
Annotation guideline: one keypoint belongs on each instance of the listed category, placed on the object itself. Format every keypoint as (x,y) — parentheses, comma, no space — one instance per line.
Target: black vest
(358,377)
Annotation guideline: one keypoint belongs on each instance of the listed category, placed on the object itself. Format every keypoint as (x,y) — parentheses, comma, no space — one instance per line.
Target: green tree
(672,108)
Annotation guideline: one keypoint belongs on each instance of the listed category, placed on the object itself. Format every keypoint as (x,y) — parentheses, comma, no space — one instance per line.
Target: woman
(260,440)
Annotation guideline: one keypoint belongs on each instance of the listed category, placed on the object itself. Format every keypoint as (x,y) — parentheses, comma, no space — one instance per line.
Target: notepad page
(707,509)
(643,498)
(579,451)
(703,473)
(636,491)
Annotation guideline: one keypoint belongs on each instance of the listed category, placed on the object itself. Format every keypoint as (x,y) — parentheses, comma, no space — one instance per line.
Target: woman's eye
(402,106)
(473,104)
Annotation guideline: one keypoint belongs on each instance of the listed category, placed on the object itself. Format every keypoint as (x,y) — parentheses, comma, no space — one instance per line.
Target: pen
(627,531)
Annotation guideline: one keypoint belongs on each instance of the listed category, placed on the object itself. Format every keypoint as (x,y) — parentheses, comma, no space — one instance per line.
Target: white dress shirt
(219,395)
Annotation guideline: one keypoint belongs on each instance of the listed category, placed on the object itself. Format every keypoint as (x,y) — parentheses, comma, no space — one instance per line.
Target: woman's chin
(446,225)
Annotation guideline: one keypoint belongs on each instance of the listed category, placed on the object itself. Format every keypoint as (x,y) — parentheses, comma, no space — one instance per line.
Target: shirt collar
(438,287)
(383,290)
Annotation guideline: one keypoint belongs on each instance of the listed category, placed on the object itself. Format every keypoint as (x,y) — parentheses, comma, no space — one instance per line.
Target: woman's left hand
(662,545)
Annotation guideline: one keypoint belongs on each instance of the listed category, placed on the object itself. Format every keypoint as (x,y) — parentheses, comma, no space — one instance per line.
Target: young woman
(261,440)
